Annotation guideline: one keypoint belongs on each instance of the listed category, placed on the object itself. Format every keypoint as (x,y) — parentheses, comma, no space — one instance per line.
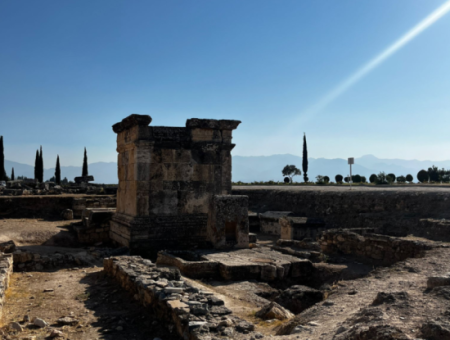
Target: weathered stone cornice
(130,121)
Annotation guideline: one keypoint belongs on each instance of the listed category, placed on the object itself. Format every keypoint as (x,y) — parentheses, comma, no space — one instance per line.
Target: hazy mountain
(259,168)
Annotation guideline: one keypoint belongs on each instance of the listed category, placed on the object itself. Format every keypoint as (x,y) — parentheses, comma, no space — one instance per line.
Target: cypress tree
(41,167)
(12,175)
(85,164)
(305,159)
(36,167)
(3,176)
(57,172)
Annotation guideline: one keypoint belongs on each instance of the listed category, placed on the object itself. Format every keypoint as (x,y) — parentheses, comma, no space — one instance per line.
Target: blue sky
(71,69)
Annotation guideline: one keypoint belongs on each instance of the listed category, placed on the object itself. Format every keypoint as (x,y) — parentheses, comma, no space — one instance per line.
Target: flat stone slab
(259,264)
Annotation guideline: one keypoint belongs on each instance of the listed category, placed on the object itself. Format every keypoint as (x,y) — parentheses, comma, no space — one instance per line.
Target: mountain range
(259,168)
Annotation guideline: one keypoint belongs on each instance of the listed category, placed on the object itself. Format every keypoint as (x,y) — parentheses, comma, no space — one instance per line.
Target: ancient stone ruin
(169,254)
(175,186)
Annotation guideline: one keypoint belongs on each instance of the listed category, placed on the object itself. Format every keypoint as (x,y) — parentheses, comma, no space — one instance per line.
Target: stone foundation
(6,268)
(371,248)
(196,314)
(245,264)
(269,221)
(94,226)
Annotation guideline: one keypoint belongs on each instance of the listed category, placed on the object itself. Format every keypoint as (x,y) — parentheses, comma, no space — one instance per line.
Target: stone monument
(168,179)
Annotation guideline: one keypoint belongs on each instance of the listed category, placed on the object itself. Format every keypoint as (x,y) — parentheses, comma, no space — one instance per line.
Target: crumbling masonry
(175,185)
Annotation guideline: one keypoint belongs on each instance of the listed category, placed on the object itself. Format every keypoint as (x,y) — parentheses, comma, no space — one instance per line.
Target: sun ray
(376,61)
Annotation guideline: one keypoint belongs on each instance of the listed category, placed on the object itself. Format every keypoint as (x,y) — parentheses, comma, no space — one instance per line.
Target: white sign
(351,160)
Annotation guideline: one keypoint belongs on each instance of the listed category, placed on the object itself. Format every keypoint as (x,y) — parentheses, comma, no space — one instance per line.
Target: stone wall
(372,248)
(167,178)
(50,206)
(228,225)
(396,213)
(195,314)
(6,268)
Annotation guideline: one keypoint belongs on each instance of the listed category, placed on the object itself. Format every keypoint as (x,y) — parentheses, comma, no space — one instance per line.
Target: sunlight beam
(372,64)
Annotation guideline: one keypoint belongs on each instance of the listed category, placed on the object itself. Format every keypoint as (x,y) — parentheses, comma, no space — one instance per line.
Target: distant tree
(65,181)
(52,179)
(12,174)
(392,176)
(291,171)
(401,179)
(373,178)
(409,178)
(381,178)
(36,167)
(363,179)
(57,172)
(356,179)
(326,179)
(305,159)
(3,176)
(287,180)
(422,176)
(320,180)
(41,167)
(433,174)
(347,179)
(339,178)
(85,164)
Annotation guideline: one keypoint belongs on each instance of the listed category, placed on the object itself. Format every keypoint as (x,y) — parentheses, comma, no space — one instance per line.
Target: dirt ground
(103,309)
(351,303)
(27,231)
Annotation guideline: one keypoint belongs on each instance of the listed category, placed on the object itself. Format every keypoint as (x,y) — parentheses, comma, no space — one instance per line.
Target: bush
(401,179)
(363,179)
(433,174)
(347,179)
(373,178)
(409,178)
(356,179)
(382,178)
(320,180)
(392,178)
(422,176)
(326,179)
(339,179)
(287,180)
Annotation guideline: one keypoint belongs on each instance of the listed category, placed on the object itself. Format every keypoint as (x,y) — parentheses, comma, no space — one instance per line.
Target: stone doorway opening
(230,231)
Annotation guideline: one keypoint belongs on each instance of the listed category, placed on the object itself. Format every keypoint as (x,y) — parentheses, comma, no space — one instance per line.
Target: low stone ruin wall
(395,213)
(196,314)
(28,261)
(6,268)
(48,206)
(372,248)
(434,229)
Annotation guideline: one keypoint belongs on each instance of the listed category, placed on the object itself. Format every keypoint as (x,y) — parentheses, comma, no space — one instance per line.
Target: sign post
(351,161)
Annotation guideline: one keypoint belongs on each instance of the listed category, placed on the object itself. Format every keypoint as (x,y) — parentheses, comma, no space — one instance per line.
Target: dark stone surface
(130,121)
(298,298)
